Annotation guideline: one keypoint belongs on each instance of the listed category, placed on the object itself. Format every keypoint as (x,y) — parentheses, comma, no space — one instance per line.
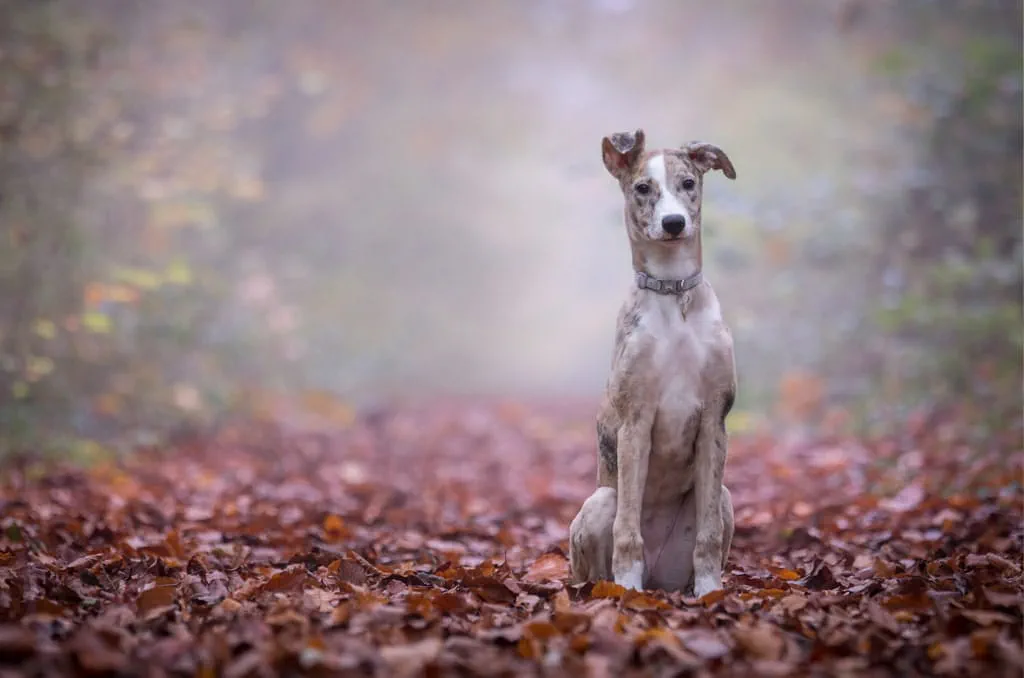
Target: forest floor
(431,541)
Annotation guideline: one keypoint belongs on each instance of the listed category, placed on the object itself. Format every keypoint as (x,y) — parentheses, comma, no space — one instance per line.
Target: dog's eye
(643,188)
(688,184)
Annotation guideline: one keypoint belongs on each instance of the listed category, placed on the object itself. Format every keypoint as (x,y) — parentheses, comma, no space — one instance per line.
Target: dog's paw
(632,578)
(705,585)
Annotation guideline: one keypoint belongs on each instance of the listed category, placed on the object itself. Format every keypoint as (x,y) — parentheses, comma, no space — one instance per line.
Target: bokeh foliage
(187,215)
(44,156)
(112,270)
(948,269)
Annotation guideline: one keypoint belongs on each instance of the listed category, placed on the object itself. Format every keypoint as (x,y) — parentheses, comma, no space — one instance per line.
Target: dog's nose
(673,224)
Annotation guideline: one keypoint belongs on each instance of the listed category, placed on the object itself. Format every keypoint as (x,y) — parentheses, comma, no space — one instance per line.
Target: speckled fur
(661,517)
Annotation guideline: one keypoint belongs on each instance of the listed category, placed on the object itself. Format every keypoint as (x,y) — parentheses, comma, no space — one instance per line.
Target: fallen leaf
(607,589)
(986,617)
(406,661)
(335,529)
(294,578)
(784,573)
(16,642)
(716,596)
(548,566)
(704,643)
(489,589)
(637,600)
(213,556)
(793,603)
(759,640)
(907,499)
(95,655)
(881,618)
(161,594)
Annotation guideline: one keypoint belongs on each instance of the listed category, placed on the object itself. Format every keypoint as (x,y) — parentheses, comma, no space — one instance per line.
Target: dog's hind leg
(590,537)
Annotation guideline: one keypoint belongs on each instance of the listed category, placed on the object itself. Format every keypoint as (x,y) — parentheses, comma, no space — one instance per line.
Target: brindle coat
(660,517)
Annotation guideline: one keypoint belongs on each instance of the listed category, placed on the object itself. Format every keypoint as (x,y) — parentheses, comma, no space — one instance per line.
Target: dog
(661,517)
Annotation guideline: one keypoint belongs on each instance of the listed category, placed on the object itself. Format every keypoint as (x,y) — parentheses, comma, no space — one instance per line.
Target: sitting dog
(661,518)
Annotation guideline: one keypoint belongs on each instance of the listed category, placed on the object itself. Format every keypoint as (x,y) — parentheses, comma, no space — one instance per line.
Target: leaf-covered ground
(432,541)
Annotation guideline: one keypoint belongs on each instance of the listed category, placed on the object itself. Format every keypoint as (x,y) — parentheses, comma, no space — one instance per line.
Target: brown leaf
(637,600)
(348,570)
(95,655)
(928,582)
(45,606)
(341,614)
(490,589)
(986,617)
(448,602)
(407,661)
(246,664)
(908,499)
(561,601)
(229,606)
(759,640)
(318,600)
(1003,599)
(994,560)
(568,621)
(656,635)
(548,566)
(541,630)
(16,643)
(881,617)
(175,545)
(771,593)
(607,589)
(534,639)
(335,529)
(784,573)
(704,643)
(716,596)
(982,641)
(84,561)
(820,577)
(909,601)
(161,594)
(295,578)
(793,603)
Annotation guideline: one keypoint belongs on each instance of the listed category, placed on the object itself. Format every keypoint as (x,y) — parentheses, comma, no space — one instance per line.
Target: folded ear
(621,151)
(709,157)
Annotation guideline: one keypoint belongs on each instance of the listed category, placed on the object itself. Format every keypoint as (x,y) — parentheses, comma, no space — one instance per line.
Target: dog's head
(662,188)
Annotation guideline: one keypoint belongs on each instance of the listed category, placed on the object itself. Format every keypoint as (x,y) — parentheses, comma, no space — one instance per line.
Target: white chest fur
(680,352)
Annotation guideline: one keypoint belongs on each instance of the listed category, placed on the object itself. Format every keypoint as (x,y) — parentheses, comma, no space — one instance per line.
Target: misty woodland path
(432,542)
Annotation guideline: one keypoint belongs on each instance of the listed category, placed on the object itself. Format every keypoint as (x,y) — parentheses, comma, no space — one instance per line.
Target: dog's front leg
(634,450)
(708,556)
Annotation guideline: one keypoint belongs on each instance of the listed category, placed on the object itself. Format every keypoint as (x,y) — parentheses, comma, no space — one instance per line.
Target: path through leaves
(432,542)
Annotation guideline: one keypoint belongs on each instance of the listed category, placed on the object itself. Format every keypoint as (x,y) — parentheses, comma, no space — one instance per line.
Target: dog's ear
(707,157)
(621,151)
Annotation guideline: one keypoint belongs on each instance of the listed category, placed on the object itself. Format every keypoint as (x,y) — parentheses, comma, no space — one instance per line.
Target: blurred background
(311,207)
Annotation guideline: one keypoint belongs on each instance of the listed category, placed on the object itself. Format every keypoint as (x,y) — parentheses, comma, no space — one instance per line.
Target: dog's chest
(681,343)
(681,351)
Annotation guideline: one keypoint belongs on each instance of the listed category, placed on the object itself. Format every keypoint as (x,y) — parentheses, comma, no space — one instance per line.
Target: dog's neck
(668,262)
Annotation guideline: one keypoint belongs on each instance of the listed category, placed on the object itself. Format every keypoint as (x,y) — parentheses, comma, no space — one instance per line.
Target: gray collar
(646,282)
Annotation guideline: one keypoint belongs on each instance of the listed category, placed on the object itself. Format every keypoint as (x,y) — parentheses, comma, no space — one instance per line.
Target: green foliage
(955,241)
(892,63)
(112,265)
